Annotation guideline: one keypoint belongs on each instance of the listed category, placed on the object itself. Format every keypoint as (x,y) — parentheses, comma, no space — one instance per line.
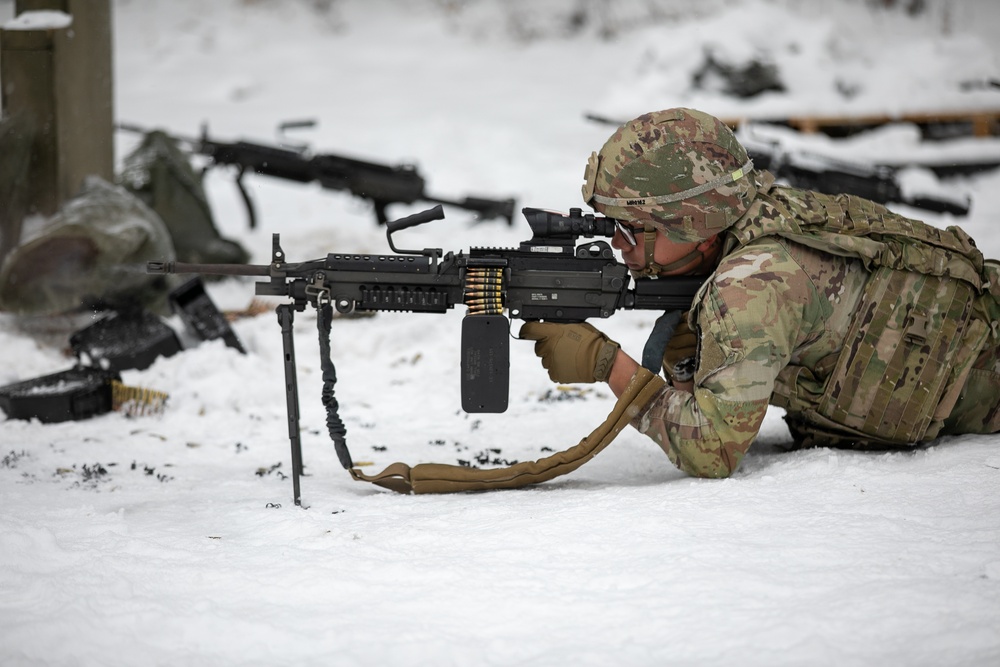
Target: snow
(39,20)
(173,539)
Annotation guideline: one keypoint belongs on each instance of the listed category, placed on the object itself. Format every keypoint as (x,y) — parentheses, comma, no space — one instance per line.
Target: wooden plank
(984,123)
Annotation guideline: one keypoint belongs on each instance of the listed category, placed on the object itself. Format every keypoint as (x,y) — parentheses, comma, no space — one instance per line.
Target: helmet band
(677,196)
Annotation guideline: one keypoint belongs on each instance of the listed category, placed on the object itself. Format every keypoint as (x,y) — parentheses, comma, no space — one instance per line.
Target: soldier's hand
(681,355)
(572,352)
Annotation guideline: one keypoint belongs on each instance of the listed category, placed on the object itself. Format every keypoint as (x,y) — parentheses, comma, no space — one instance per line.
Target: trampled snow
(173,539)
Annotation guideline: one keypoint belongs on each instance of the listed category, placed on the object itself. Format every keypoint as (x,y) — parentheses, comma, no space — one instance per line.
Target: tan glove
(572,352)
(681,355)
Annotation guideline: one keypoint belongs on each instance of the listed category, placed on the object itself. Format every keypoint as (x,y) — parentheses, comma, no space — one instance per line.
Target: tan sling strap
(443,478)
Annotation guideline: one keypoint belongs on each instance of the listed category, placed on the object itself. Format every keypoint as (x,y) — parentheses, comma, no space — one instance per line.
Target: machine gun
(548,278)
(380,184)
(876,182)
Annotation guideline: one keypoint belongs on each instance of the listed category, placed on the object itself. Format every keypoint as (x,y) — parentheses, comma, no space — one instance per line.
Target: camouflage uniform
(773,320)
(870,329)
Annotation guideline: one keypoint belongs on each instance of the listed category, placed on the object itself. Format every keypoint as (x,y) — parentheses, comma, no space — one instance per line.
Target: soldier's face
(665,252)
(628,240)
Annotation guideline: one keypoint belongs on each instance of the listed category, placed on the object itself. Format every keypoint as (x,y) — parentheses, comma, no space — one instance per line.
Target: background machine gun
(811,170)
(548,277)
(876,182)
(381,184)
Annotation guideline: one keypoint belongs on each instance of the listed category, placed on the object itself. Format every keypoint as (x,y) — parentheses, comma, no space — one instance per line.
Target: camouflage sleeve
(749,319)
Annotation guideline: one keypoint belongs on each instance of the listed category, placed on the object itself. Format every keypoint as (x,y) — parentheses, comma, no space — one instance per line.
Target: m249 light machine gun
(548,277)
(381,184)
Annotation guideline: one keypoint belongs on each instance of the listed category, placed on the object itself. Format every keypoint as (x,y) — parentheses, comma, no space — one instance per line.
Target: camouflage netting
(94,249)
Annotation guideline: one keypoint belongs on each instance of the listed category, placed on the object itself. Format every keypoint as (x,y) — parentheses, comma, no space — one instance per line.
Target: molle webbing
(853,227)
(914,337)
(910,344)
(442,478)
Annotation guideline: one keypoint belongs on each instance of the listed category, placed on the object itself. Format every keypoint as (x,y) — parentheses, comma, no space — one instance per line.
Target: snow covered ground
(173,539)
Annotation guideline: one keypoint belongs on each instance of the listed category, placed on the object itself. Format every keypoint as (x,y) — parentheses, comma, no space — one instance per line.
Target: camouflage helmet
(681,171)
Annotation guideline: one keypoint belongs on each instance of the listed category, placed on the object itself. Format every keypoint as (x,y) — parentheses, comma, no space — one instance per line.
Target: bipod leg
(286,317)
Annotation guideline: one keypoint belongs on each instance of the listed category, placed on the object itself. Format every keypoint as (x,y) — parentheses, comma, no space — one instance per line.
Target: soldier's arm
(621,372)
(705,433)
(750,321)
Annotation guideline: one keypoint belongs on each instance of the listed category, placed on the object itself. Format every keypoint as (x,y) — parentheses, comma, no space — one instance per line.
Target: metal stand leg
(286,317)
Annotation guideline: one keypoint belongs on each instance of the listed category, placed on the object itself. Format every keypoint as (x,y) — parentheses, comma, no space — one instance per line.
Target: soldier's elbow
(712,464)
(714,472)
(714,469)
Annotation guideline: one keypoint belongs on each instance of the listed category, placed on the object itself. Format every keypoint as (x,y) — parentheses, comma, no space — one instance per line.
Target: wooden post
(61,78)
(982,125)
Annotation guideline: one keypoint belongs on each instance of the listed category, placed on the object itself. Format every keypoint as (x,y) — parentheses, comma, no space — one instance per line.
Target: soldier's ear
(590,178)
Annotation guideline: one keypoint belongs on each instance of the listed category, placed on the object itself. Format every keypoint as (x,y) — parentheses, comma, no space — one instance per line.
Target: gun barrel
(138,129)
(488,208)
(160,268)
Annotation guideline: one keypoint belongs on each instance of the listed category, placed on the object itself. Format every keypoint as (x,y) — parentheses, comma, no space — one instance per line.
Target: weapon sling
(444,478)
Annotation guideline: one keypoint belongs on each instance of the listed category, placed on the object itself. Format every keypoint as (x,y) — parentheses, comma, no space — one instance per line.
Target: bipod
(286,318)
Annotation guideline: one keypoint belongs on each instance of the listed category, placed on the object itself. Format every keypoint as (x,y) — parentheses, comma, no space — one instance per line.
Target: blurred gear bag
(160,174)
(94,249)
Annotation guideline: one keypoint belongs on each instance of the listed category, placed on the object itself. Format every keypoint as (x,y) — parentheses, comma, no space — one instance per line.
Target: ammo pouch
(905,360)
